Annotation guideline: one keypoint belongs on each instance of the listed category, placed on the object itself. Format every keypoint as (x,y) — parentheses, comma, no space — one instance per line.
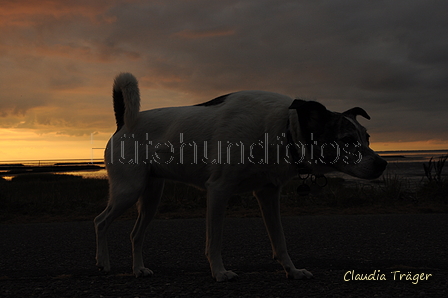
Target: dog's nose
(380,165)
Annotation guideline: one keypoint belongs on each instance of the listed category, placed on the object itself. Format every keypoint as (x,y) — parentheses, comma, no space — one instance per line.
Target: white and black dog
(243,141)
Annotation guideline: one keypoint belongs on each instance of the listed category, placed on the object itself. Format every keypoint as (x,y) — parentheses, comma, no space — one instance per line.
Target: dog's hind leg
(147,207)
(217,198)
(268,199)
(121,198)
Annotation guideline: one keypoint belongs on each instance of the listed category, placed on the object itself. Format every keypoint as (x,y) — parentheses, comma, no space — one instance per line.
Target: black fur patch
(119,108)
(214,102)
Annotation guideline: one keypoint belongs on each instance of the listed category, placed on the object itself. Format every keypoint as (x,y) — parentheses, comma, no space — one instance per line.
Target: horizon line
(101,159)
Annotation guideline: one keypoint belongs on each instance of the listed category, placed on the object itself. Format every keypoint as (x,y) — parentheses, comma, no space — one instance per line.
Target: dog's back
(188,143)
(237,108)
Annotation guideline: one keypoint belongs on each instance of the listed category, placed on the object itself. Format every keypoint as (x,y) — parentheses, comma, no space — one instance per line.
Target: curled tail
(126,96)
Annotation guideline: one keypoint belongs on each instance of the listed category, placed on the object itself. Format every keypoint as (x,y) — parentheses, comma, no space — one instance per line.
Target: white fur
(128,85)
(138,159)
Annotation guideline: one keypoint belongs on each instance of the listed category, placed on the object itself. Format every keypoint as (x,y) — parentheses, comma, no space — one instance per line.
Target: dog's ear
(297,103)
(313,116)
(355,112)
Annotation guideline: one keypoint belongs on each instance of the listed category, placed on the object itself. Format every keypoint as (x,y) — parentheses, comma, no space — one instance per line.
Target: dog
(243,141)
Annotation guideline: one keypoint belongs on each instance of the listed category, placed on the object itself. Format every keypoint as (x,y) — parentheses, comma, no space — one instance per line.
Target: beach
(58,259)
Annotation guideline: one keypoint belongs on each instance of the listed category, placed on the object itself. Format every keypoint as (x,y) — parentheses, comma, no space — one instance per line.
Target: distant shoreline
(413,151)
(398,153)
(49,167)
(413,158)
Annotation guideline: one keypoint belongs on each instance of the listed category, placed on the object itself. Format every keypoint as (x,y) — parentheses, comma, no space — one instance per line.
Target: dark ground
(57,259)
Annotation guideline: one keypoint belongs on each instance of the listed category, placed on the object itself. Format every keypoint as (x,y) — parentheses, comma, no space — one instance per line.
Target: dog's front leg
(268,199)
(216,208)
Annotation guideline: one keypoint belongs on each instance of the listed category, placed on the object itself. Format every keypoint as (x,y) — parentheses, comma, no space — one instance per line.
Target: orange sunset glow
(58,60)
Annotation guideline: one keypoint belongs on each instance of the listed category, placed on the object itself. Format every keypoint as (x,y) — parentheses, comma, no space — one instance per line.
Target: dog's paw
(142,272)
(299,274)
(103,267)
(225,276)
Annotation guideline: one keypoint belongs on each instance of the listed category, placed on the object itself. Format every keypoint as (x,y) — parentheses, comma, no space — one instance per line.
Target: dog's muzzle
(379,165)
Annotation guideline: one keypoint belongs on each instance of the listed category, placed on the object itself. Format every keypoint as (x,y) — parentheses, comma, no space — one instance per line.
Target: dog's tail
(126,97)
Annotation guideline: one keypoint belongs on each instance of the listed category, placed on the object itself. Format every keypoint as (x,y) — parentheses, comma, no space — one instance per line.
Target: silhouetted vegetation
(54,197)
(433,170)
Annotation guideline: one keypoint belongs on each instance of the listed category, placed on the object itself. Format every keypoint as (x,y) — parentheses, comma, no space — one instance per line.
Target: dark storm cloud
(389,56)
(384,46)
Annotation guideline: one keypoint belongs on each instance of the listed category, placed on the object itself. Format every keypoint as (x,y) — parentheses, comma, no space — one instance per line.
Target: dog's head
(337,140)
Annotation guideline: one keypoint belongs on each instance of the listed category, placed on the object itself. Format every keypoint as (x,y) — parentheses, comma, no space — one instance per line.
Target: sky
(58,60)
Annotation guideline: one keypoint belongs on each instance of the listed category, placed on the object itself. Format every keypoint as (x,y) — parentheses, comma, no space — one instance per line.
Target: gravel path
(57,259)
